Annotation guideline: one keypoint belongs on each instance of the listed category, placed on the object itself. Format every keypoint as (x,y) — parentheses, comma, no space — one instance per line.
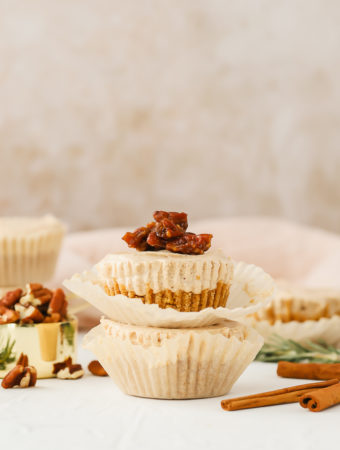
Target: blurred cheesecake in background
(29,248)
(301,314)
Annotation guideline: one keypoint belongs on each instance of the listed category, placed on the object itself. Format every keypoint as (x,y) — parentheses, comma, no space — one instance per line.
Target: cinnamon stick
(321,399)
(280,396)
(308,371)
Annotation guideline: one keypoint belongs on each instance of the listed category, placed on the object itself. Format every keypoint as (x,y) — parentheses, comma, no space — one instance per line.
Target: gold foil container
(43,343)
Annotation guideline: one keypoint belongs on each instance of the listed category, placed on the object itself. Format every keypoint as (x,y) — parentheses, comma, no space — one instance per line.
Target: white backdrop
(111,109)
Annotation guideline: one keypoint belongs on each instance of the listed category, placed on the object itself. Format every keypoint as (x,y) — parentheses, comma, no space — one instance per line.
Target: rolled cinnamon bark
(320,399)
(308,371)
(278,397)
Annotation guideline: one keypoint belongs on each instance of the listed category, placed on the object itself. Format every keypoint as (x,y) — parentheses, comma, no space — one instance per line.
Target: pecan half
(97,369)
(40,293)
(61,365)
(11,298)
(67,371)
(8,315)
(22,360)
(58,304)
(22,375)
(29,314)
(13,377)
(36,295)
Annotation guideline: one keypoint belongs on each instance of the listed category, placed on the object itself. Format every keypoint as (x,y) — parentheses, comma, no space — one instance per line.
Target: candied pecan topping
(179,219)
(190,244)
(155,241)
(138,238)
(168,232)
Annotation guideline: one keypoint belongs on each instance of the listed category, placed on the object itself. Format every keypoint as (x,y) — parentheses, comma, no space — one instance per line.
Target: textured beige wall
(110,109)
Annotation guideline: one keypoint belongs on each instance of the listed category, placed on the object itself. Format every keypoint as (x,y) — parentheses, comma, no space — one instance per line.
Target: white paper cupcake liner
(251,289)
(27,258)
(324,329)
(174,364)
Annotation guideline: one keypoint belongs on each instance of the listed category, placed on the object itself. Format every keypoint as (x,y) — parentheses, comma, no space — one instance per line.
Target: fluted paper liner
(251,289)
(29,258)
(324,329)
(174,363)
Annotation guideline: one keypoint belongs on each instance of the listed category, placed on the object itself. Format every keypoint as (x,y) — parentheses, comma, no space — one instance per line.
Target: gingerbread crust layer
(180,300)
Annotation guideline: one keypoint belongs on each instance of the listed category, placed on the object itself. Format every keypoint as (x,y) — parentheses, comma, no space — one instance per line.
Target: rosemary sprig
(279,349)
(6,355)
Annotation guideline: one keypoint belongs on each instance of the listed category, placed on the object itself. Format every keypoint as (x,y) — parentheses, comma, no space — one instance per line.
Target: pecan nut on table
(168,232)
(21,376)
(66,370)
(37,305)
(97,369)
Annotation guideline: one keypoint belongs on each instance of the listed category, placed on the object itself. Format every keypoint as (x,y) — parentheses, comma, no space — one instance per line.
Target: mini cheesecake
(174,363)
(170,280)
(29,248)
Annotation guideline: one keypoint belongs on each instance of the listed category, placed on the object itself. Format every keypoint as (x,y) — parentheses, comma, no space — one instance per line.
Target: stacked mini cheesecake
(172,361)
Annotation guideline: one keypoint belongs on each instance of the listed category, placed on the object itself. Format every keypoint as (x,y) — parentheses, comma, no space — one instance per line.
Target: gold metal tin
(43,343)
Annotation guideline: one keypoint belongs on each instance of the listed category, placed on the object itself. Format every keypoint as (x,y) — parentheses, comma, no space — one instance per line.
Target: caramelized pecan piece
(180,219)
(138,238)
(168,232)
(166,229)
(155,241)
(190,244)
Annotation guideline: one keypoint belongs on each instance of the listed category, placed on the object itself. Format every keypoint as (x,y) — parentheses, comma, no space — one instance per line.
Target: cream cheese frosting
(163,270)
(147,336)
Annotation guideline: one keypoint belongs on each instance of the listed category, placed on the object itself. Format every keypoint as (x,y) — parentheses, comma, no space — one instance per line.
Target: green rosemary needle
(279,349)
(6,355)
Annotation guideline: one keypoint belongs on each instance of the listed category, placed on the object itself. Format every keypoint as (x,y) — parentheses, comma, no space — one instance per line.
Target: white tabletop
(93,413)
